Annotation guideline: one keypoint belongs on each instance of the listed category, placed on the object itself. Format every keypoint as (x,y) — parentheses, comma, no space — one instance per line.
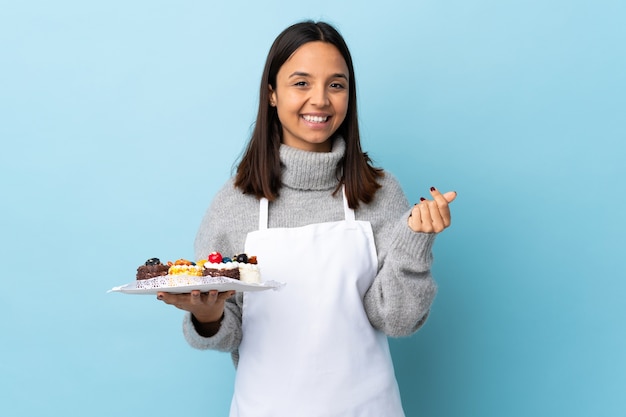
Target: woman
(339,232)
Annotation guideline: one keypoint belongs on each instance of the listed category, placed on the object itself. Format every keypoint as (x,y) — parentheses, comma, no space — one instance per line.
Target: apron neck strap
(264,211)
(348,212)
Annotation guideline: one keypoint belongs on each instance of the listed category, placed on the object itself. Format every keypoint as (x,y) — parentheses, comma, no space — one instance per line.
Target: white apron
(309,349)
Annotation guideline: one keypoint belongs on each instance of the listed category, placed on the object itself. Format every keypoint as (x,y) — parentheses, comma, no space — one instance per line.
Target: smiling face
(311,96)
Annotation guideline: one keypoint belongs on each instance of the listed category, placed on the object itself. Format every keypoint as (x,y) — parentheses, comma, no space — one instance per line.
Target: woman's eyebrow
(306,74)
(299,74)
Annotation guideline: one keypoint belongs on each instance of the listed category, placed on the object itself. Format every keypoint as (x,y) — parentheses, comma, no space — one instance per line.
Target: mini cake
(152,268)
(248,269)
(239,267)
(218,266)
(184,267)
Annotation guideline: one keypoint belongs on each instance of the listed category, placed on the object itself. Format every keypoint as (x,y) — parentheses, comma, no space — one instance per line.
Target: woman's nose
(319,96)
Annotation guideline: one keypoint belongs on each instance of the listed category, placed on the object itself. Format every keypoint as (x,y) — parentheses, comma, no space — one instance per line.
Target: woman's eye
(300,84)
(337,85)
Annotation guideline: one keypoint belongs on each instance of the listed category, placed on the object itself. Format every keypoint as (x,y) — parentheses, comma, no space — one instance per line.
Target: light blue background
(120,120)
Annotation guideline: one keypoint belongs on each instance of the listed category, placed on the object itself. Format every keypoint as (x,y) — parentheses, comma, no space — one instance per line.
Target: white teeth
(314,119)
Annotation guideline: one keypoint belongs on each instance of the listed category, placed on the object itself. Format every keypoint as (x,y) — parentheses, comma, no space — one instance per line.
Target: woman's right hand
(207,307)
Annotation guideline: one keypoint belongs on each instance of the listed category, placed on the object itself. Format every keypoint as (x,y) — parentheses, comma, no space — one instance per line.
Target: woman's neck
(308,170)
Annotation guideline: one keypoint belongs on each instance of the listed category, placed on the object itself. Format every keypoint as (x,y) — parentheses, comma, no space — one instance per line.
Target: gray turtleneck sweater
(400,297)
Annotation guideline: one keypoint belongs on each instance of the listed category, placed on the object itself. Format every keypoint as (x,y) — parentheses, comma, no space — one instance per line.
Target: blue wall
(120,120)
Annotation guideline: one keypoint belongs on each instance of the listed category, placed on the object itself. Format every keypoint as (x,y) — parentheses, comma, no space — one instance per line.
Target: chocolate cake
(217,266)
(151,269)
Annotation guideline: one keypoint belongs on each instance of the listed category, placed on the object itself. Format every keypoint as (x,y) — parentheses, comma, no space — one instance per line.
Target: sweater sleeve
(399,300)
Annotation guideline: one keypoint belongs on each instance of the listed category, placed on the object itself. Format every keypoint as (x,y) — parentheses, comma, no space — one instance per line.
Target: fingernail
(432,188)
(422,199)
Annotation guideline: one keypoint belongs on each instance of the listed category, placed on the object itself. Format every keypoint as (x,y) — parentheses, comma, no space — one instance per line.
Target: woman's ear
(272,96)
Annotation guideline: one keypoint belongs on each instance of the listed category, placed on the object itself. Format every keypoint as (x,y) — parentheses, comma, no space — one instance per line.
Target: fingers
(223,296)
(441,206)
(450,196)
(437,218)
(194,299)
(197,298)
(177,300)
(432,216)
(426,214)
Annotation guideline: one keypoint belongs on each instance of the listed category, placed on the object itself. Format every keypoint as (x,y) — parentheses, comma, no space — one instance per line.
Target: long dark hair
(259,172)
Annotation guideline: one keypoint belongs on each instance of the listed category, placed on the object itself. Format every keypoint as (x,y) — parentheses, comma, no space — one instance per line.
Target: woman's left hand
(432,216)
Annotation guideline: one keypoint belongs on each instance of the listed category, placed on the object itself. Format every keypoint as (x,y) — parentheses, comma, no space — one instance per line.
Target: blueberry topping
(226,260)
(243,258)
(153,261)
